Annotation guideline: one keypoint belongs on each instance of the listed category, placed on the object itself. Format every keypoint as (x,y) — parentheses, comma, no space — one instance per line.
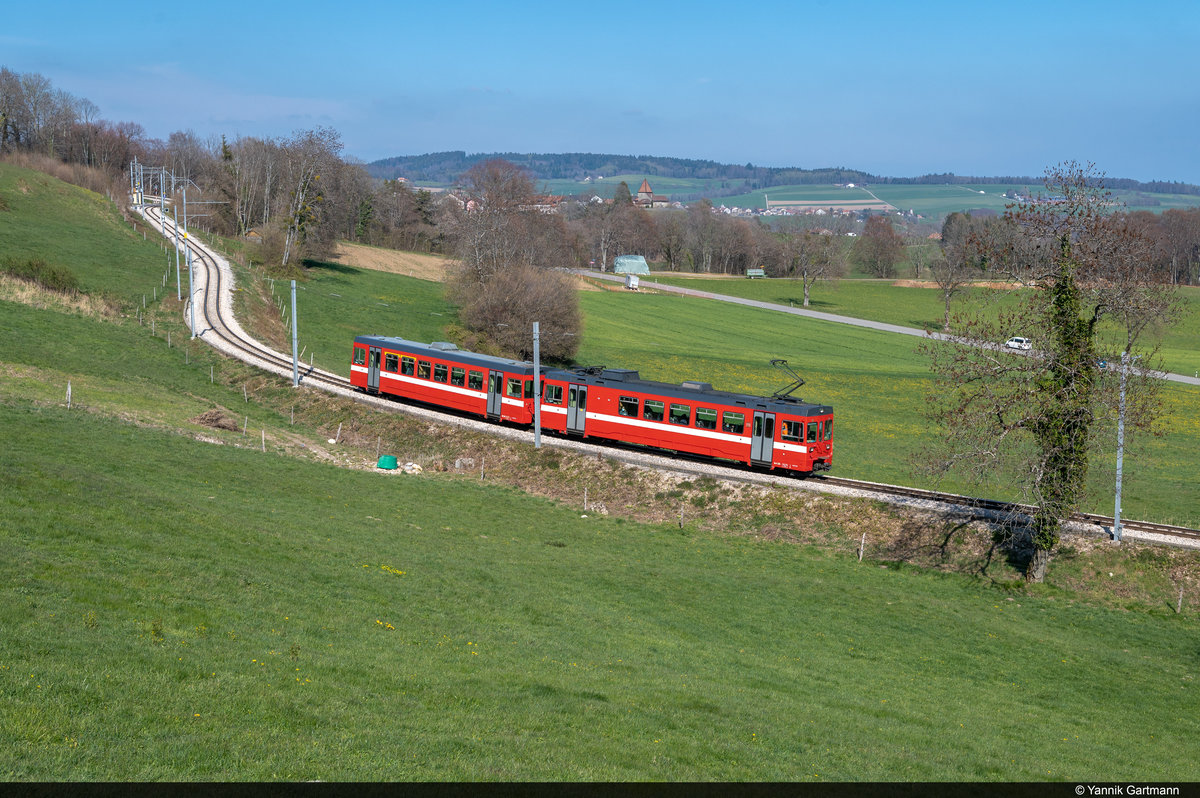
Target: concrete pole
(295,338)
(537,388)
(191,284)
(1120,447)
(178,289)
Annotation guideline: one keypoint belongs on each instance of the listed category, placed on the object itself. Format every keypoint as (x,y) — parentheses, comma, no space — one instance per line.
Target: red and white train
(775,432)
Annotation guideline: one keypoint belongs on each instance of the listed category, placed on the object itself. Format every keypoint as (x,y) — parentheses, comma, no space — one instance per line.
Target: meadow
(183,611)
(934,202)
(922,307)
(178,610)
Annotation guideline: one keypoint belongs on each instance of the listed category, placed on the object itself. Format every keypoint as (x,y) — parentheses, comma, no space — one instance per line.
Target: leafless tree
(306,155)
(701,236)
(809,257)
(504,308)
(879,248)
(1029,418)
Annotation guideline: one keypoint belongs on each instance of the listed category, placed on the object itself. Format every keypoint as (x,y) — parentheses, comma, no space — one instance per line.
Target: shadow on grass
(328,267)
(953,545)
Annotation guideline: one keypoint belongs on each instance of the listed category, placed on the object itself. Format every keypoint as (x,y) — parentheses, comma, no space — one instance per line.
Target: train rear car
(441,374)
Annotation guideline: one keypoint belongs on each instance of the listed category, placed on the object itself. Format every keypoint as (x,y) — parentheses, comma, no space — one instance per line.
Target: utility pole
(537,387)
(191,283)
(295,337)
(178,289)
(1120,446)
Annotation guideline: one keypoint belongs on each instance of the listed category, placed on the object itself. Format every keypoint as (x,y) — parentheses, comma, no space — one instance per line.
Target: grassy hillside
(188,611)
(79,230)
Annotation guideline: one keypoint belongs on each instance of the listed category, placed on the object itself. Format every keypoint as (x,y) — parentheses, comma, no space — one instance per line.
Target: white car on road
(1017,342)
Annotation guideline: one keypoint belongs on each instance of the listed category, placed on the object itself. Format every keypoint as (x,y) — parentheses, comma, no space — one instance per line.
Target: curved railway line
(213,283)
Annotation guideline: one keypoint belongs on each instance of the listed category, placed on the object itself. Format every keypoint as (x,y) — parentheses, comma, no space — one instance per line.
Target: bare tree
(879,248)
(701,236)
(505,245)
(504,308)
(484,222)
(809,257)
(671,237)
(306,155)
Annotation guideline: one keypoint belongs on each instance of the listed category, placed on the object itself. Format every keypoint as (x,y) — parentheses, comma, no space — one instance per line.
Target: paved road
(812,314)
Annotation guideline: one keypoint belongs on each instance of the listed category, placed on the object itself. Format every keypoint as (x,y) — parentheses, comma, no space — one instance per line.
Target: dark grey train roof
(447,351)
(690,391)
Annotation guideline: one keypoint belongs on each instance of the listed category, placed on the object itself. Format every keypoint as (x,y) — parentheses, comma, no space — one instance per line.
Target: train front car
(443,375)
(804,437)
(778,432)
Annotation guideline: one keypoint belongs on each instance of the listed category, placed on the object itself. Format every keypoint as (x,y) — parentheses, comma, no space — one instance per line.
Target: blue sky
(893,88)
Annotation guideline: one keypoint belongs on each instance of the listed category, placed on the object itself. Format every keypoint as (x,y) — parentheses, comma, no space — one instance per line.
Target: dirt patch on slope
(411,264)
(216,419)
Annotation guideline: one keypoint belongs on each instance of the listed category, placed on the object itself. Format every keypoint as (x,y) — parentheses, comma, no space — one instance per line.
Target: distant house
(630,264)
(646,197)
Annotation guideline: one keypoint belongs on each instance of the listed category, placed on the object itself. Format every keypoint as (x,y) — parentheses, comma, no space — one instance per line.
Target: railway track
(216,325)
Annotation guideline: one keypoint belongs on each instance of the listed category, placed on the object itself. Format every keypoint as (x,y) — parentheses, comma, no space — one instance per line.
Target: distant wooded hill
(446,167)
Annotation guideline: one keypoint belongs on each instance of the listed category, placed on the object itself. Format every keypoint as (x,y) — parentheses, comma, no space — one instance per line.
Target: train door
(762,438)
(495,393)
(576,408)
(373,370)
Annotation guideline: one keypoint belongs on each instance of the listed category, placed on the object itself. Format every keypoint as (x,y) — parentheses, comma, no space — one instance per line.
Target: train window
(681,414)
(553,395)
(360,356)
(814,431)
(391,362)
(706,418)
(440,372)
(528,389)
(791,430)
(627,406)
(514,387)
(828,428)
(733,422)
(652,410)
(769,432)
(475,381)
(423,369)
(458,376)
(407,365)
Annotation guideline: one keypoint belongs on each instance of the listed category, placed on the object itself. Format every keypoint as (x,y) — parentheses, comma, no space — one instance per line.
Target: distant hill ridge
(446,167)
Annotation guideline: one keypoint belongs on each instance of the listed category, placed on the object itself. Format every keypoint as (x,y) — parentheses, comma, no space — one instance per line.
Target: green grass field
(179,610)
(934,202)
(183,611)
(104,253)
(922,308)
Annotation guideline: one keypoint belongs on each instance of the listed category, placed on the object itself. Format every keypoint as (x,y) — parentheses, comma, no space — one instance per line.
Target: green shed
(630,264)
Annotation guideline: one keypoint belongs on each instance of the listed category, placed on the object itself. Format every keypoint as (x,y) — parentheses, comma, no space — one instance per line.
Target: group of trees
(36,117)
